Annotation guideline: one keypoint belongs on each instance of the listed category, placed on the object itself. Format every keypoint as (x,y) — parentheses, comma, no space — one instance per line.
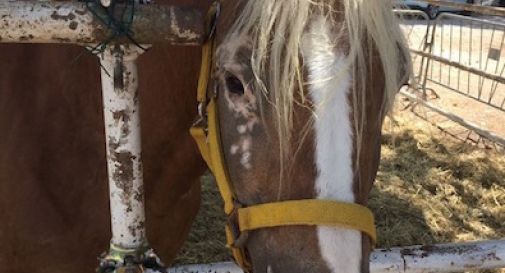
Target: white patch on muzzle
(329,86)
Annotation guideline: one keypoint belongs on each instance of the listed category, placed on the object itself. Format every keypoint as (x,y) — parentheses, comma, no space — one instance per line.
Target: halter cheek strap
(310,212)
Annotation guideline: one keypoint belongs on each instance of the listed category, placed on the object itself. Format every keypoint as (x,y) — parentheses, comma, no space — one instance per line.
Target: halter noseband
(311,212)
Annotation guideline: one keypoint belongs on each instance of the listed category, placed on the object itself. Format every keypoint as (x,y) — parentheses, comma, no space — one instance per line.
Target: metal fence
(472,67)
(465,55)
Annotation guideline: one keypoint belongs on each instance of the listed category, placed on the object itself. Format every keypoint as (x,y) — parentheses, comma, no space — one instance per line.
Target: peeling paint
(123,174)
(73,25)
(121,115)
(67,17)
(71,22)
(440,258)
(124,162)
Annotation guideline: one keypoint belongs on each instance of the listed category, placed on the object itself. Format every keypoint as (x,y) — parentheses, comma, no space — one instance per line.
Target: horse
(54,208)
(299,89)
(298,95)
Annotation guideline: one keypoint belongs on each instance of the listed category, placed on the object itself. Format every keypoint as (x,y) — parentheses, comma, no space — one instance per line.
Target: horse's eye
(234,85)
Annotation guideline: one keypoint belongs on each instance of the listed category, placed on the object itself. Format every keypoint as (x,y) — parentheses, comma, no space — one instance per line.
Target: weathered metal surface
(72,23)
(440,258)
(415,259)
(129,250)
(122,130)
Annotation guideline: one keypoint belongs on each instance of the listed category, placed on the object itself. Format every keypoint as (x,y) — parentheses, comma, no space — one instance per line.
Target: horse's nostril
(234,85)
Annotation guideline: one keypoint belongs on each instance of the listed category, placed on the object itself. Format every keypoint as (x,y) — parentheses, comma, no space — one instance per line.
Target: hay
(431,188)
(207,242)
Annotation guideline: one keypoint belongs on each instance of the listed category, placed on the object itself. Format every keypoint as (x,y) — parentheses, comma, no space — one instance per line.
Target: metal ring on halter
(105,3)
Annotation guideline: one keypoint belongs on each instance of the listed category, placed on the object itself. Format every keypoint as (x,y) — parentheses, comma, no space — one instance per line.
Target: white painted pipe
(122,131)
(71,22)
(414,259)
(456,257)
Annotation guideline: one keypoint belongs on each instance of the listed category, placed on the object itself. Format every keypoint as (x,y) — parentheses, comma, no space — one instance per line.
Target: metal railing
(467,7)
(472,67)
(462,54)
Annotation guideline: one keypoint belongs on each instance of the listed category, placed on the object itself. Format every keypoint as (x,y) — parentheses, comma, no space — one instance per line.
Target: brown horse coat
(54,211)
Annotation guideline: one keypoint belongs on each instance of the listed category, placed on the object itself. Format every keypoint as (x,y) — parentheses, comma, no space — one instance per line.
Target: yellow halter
(241,219)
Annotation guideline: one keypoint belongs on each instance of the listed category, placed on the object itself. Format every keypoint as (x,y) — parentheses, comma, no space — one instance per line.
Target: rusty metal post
(129,247)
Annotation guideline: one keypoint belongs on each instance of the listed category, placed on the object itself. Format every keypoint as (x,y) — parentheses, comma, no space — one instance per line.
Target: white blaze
(330,83)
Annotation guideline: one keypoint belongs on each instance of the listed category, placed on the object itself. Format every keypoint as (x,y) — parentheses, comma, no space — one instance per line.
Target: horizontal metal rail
(457,257)
(414,259)
(495,11)
(72,23)
(482,132)
(497,78)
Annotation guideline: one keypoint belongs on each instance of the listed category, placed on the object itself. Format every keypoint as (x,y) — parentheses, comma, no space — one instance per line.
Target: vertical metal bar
(451,36)
(499,84)
(441,51)
(481,79)
(129,250)
(429,42)
(432,44)
(494,85)
(426,47)
(487,60)
(470,45)
(460,50)
(122,130)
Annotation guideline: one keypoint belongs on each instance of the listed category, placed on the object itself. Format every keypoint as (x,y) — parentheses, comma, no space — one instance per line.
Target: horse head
(298,94)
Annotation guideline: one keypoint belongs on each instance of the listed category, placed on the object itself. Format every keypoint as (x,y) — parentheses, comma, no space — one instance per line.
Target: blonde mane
(277,28)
